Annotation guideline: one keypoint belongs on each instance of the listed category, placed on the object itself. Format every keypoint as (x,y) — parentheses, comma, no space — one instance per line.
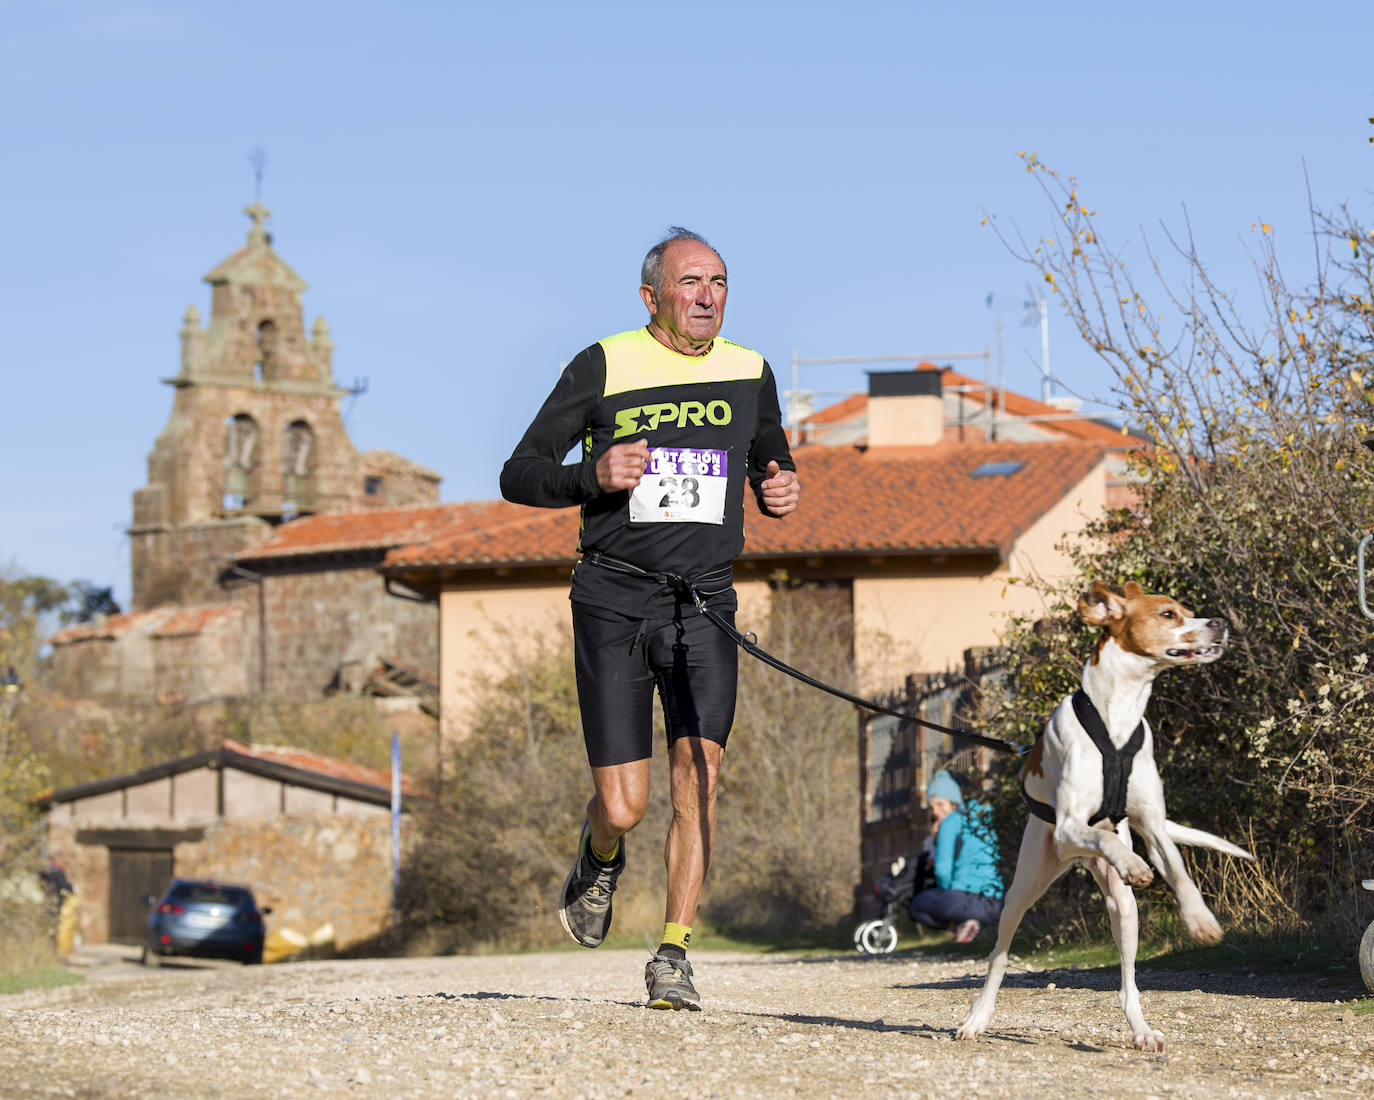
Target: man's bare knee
(694,772)
(622,795)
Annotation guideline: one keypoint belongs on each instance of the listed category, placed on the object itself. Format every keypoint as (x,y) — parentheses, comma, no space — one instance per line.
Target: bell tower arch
(255,434)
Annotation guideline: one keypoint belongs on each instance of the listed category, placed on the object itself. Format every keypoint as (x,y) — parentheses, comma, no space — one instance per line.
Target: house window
(373,486)
(997,469)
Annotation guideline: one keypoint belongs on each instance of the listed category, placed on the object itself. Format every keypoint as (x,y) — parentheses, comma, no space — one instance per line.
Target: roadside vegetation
(27,918)
(494,849)
(1253,492)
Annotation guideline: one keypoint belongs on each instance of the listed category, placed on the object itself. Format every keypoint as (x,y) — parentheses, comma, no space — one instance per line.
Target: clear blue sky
(469,189)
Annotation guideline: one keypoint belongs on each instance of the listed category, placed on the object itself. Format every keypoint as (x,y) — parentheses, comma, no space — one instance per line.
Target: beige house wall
(484,631)
(924,624)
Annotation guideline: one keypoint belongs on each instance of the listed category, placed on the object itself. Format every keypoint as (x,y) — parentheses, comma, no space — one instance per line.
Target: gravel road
(571,1024)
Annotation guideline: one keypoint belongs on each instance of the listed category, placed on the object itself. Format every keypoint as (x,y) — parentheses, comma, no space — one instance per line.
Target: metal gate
(134,873)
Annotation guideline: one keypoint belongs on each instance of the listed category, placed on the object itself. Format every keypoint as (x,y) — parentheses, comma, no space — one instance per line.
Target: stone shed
(311,835)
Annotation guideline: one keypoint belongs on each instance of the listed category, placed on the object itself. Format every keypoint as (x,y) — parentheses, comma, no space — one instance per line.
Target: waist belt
(693,590)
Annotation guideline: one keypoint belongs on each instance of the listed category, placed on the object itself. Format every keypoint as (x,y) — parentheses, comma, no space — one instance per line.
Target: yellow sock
(608,857)
(676,935)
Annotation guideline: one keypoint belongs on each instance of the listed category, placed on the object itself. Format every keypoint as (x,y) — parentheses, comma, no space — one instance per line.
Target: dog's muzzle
(1219,633)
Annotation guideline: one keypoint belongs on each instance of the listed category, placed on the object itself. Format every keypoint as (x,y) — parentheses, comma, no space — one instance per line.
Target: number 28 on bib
(681,485)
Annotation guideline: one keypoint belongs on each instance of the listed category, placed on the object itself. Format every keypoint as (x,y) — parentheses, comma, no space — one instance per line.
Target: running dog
(1090,779)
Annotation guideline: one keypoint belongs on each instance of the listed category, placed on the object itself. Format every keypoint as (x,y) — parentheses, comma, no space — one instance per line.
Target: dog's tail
(1181,834)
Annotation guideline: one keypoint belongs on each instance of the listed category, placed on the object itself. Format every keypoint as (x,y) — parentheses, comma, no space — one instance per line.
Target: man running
(672,421)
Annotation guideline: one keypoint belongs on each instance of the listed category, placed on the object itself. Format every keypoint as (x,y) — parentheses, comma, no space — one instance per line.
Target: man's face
(691,308)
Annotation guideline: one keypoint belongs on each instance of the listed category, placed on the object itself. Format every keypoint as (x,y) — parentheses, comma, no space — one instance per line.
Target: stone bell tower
(254,437)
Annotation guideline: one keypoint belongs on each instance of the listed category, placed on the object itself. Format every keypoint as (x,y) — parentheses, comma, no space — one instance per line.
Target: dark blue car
(204,920)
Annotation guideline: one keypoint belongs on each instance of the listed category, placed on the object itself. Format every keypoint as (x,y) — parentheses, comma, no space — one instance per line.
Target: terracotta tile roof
(840,411)
(852,408)
(922,499)
(337,532)
(111,627)
(320,765)
(907,499)
(503,533)
(192,620)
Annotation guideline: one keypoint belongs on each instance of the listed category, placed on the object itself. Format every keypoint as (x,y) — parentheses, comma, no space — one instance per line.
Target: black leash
(749,643)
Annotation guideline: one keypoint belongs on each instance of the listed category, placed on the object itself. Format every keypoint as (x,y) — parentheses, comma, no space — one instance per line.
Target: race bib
(681,485)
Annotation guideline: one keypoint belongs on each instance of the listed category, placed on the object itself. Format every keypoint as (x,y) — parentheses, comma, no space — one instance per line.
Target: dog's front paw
(1150,1041)
(1203,927)
(968,1030)
(1135,871)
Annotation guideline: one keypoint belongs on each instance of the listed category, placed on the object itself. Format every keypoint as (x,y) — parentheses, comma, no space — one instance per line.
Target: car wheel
(1367,957)
(255,959)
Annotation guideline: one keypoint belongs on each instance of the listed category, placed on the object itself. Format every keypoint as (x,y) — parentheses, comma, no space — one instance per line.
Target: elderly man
(672,421)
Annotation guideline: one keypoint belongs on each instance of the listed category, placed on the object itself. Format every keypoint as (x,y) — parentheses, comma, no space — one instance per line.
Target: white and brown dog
(1090,780)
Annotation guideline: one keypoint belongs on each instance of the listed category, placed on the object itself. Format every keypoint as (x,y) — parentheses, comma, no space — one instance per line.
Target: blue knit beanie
(942,785)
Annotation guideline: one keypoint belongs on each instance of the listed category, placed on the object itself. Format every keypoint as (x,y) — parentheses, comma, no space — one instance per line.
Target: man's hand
(781,490)
(622,465)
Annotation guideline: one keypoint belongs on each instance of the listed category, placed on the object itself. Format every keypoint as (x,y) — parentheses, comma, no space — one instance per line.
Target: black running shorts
(620,662)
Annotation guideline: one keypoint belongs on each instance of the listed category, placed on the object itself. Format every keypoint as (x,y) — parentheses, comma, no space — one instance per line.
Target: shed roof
(296,766)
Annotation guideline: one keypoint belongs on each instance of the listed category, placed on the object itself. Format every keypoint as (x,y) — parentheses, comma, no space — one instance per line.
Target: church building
(255,438)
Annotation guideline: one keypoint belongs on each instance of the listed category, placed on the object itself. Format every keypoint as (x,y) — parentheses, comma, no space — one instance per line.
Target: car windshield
(204,893)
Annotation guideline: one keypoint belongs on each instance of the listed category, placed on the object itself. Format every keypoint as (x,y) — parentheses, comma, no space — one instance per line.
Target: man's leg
(615,691)
(698,683)
(694,766)
(622,795)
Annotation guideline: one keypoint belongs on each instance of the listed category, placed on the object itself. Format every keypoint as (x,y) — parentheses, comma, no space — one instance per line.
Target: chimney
(905,408)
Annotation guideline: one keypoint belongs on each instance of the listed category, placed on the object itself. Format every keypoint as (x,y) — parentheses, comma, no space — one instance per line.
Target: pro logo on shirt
(647,418)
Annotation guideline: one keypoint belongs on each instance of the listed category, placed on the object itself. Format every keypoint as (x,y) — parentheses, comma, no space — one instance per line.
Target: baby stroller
(894,892)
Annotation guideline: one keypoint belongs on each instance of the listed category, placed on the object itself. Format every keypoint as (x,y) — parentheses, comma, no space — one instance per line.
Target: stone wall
(311,871)
(147,657)
(184,565)
(317,621)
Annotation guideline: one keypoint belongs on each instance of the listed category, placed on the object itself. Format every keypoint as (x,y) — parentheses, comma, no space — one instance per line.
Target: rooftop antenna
(1038,308)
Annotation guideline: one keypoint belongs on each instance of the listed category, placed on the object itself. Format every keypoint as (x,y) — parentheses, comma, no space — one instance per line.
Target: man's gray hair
(651,273)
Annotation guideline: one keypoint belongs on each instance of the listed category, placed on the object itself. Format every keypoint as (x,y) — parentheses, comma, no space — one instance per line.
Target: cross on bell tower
(259,213)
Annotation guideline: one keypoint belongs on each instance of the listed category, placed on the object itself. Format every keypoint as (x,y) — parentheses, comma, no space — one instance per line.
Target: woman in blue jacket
(968,888)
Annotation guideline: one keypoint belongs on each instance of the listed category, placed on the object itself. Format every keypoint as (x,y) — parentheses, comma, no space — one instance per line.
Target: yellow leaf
(1265,227)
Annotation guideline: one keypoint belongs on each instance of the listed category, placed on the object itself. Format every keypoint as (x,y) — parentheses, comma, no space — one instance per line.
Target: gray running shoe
(670,984)
(584,907)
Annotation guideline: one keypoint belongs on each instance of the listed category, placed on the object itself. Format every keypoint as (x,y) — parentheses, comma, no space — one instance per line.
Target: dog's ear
(1132,591)
(1101,606)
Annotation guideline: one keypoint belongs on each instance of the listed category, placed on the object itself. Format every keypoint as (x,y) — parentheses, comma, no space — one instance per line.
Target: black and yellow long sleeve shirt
(712,423)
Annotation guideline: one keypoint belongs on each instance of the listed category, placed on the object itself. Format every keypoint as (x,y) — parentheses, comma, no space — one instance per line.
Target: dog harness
(1116,765)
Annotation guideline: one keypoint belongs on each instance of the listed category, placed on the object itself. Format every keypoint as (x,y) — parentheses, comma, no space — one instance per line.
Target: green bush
(1252,494)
